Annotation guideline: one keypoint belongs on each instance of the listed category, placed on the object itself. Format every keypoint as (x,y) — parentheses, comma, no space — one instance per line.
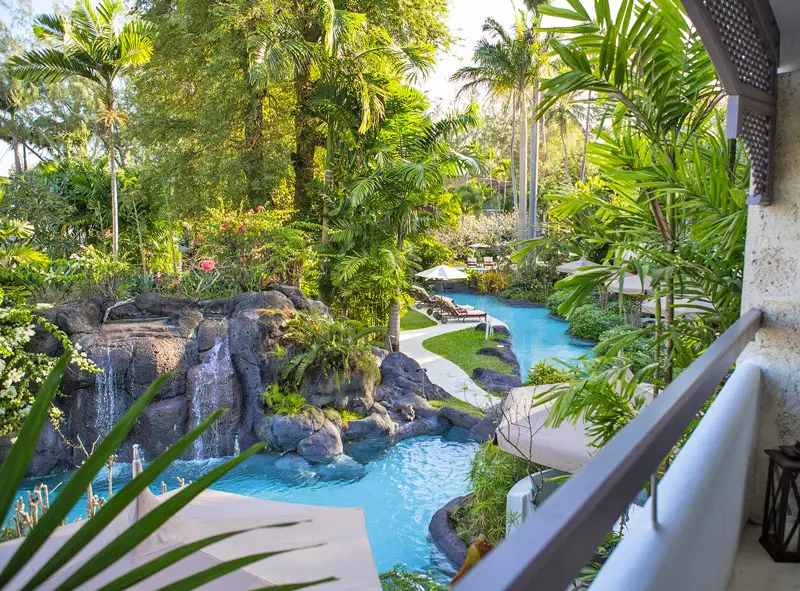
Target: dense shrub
(543,372)
(280,402)
(589,322)
(492,475)
(493,281)
(637,346)
(555,300)
(399,579)
(331,348)
(532,283)
(431,253)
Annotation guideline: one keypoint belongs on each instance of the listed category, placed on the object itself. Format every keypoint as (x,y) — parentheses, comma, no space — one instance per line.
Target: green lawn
(461,347)
(412,320)
(458,404)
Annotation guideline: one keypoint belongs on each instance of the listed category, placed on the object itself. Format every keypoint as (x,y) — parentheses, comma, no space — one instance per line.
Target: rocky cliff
(221,354)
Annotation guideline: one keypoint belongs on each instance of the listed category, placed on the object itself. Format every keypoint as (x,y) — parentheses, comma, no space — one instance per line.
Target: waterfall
(106,395)
(206,398)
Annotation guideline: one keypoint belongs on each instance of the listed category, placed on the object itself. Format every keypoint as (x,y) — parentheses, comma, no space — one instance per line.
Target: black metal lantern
(780,532)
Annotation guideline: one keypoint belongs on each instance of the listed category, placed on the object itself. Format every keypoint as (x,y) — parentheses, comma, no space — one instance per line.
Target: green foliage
(554,302)
(282,402)
(637,344)
(589,322)
(329,348)
(399,579)
(493,281)
(462,346)
(251,248)
(491,476)
(431,253)
(15,465)
(532,282)
(543,372)
(21,371)
(20,262)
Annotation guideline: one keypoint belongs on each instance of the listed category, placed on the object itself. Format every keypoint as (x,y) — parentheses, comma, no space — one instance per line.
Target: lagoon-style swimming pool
(400,489)
(536,334)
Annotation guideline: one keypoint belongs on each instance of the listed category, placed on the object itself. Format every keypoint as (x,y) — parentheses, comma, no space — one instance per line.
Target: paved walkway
(444,373)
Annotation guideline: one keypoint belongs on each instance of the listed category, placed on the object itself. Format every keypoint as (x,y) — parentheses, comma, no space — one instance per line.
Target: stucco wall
(772,283)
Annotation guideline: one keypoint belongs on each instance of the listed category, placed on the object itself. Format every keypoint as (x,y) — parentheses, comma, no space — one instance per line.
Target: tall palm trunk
(15,144)
(393,330)
(534,163)
(109,132)
(523,166)
(513,140)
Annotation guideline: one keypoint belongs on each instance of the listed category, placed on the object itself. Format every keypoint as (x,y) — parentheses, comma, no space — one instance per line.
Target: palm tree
(92,45)
(400,192)
(505,65)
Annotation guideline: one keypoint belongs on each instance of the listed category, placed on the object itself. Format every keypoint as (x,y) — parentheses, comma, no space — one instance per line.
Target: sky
(464,20)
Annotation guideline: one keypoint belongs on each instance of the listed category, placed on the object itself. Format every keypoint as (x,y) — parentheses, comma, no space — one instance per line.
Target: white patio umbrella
(333,543)
(631,285)
(681,307)
(575,266)
(442,273)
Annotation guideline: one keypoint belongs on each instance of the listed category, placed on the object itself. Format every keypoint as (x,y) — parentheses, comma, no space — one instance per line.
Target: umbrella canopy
(681,307)
(442,273)
(631,285)
(333,541)
(479,245)
(575,266)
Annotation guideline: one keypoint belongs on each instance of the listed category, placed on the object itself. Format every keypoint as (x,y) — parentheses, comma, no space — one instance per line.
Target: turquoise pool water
(402,487)
(536,335)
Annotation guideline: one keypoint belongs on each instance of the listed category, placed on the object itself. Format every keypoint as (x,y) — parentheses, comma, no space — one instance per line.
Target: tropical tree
(505,66)
(92,44)
(398,193)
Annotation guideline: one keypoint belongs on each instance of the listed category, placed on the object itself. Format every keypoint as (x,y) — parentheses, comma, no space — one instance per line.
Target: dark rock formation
(497,329)
(221,354)
(445,536)
(503,353)
(458,418)
(495,380)
(486,428)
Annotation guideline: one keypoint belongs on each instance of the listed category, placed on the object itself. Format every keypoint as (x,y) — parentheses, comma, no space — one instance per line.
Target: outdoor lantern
(779,532)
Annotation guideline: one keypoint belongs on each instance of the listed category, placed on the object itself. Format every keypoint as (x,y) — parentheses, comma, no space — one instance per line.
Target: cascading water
(206,398)
(106,395)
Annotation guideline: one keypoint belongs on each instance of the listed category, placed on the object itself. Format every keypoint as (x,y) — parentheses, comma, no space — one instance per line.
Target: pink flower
(235,230)
(260,208)
(251,212)
(243,259)
(223,226)
(176,282)
(208,265)
(200,241)
(159,279)
(108,234)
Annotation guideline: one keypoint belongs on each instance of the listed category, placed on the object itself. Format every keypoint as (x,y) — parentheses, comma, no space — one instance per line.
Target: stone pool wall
(221,354)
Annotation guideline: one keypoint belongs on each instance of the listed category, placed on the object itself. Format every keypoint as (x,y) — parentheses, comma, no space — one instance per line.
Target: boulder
(299,300)
(285,432)
(485,429)
(497,329)
(291,466)
(217,307)
(372,427)
(458,418)
(401,376)
(421,426)
(342,468)
(502,353)
(52,454)
(186,322)
(418,405)
(444,535)
(124,311)
(261,300)
(321,445)
(161,424)
(153,357)
(495,380)
(210,331)
(355,393)
(81,316)
(152,304)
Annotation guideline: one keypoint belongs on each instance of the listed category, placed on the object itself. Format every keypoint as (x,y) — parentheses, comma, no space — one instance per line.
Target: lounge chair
(489,263)
(421,297)
(459,313)
(472,263)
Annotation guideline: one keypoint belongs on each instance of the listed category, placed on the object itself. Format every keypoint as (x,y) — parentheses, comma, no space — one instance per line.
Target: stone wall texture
(772,283)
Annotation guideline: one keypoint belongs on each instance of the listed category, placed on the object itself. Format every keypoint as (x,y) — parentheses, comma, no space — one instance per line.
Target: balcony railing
(549,550)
